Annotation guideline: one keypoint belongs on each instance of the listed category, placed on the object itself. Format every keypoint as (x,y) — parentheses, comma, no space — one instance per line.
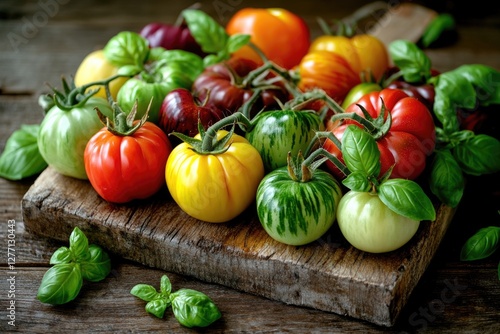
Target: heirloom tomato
(404,139)
(369,225)
(127,161)
(365,53)
(281,35)
(274,133)
(329,72)
(182,112)
(297,209)
(214,186)
(95,67)
(65,131)
(359,91)
(226,86)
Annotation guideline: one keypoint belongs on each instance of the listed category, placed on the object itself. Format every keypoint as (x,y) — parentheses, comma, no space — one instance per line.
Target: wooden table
(41,40)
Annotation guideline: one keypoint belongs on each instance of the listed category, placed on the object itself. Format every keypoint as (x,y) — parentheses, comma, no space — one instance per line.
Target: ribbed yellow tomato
(95,67)
(365,53)
(214,187)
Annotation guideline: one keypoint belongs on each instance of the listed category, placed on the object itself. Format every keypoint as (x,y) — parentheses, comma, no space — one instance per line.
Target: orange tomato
(328,71)
(365,53)
(281,35)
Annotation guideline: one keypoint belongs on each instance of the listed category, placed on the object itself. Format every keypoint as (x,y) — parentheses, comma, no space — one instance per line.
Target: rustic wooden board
(328,274)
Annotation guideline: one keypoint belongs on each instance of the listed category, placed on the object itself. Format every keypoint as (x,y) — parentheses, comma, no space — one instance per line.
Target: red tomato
(328,71)
(282,35)
(406,144)
(124,168)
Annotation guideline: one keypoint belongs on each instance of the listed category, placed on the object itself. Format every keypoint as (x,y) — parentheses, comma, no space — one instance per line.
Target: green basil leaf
(165,285)
(60,284)
(127,48)
(129,70)
(411,60)
(357,181)
(98,266)
(79,245)
(62,255)
(21,157)
(360,151)
(406,198)
(145,292)
(157,307)
(193,308)
(486,81)
(236,42)
(436,28)
(447,181)
(481,245)
(478,155)
(210,35)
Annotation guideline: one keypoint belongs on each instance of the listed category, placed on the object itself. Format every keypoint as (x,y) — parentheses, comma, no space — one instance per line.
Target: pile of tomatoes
(260,113)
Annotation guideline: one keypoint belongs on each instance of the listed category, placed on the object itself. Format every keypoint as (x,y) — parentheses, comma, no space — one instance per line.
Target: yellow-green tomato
(95,67)
(64,134)
(214,187)
(369,225)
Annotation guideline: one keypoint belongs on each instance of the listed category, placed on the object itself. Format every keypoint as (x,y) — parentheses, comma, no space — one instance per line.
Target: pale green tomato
(369,225)
(64,135)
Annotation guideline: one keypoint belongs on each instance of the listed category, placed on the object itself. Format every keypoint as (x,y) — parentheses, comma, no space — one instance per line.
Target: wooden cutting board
(328,274)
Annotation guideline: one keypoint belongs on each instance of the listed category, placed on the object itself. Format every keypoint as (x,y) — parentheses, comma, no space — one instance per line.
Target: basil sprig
(458,152)
(190,307)
(362,157)
(72,265)
(212,37)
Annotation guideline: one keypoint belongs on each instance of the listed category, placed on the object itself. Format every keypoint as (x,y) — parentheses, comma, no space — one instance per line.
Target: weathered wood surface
(328,275)
(451,297)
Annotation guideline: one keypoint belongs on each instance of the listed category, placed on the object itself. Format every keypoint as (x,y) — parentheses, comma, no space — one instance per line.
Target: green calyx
(123,124)
(72,96)
(302,170)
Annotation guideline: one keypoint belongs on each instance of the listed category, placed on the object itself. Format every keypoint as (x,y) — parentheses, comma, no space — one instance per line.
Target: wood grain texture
(327,275)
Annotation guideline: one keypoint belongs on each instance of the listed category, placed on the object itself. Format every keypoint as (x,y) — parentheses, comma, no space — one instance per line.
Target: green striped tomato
(297,213)
(277,132)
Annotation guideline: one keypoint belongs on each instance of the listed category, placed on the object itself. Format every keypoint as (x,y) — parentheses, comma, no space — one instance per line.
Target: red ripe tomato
(282,35)
(122,168)
(406,144)
(328,71)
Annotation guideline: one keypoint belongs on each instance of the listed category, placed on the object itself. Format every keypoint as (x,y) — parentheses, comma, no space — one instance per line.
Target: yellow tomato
(365,53)
(95,67)
(214,187)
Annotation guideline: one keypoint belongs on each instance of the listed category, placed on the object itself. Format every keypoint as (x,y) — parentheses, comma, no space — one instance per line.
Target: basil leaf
(360,151)
(79,245)
(486,81)
(165,285)
(62,255)
(193,308)
(127,48)
(478,155)
(145,292)
(447,181)
(98,266)
(21,157)
(436,28)
(60,284)
(481,245)
(357,181)
(411,61)
(236,42)
(157,307)
(210,35)
(406,198)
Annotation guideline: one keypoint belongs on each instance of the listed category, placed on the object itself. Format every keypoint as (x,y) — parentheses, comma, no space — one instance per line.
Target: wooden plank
(403,21)
(328,275)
